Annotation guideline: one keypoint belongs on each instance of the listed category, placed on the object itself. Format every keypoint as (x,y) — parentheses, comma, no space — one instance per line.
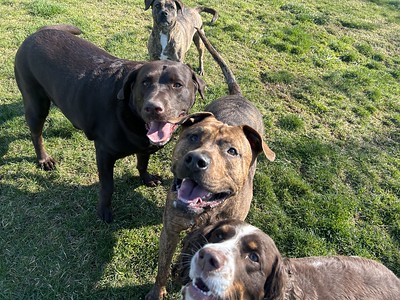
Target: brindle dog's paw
(105,214)
(47,163)
(151,180)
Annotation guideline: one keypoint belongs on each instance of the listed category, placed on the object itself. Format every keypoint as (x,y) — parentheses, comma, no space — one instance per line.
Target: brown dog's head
(236,261)
(161,93)
(164,12)
(212,162)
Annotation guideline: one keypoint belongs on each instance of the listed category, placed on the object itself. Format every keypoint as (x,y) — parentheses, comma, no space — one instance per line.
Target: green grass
(325,75)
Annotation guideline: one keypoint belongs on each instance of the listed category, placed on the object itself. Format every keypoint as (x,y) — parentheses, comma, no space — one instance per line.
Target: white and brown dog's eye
(253,257)
(232,151)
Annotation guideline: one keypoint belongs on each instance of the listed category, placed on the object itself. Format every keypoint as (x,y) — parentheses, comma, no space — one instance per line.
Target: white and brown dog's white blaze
(241,262)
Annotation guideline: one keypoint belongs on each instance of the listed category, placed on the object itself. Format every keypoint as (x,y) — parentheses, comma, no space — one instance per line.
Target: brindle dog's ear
(147,4)
(194,118)
(126,89)
(257,143)
(179,5)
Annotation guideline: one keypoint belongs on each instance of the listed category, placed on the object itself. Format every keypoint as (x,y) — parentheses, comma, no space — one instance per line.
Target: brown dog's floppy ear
(147,4)
(257,143)
(129,79)
(194,118)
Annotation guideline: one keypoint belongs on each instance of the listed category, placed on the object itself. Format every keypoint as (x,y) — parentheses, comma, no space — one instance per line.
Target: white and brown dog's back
(239,261)
(174,28)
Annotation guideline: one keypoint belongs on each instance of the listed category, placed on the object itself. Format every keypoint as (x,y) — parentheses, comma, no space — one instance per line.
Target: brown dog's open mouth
(194,198)
(159,133)
(198,290)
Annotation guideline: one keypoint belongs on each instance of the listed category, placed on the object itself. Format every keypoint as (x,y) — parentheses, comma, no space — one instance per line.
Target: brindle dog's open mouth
(199,290)
(194,198)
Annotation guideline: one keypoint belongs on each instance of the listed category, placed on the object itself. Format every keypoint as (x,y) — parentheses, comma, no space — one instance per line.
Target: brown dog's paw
(151,180)
(156,294)
(47,163)
(105,214)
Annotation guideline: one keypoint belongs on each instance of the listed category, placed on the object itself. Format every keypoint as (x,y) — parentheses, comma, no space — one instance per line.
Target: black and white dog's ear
(147,4)
(127,84)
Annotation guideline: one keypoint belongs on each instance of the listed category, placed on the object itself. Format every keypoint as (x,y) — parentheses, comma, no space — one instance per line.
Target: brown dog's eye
(232,151)
(254,257)
(177,85)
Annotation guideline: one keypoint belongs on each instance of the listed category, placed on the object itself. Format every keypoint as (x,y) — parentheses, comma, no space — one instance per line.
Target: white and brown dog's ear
(257,143)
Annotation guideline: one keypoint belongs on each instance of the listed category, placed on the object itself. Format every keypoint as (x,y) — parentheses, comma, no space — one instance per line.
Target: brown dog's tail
(233,86)
(212,11)
(63,27)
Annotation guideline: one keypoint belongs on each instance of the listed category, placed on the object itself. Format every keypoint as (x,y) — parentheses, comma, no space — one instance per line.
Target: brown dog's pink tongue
(190,191)
(159,133)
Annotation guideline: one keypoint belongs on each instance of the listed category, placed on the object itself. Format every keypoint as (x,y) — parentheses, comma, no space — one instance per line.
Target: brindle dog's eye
(232,151)
(158,5)
(146,83)
(194,138)
(253,257)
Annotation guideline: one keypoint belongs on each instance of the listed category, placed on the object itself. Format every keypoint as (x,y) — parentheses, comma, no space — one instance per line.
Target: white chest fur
(163,42)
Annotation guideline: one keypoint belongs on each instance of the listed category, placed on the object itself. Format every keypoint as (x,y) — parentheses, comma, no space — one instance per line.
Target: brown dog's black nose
(210,260)
(154,108)
(197,161)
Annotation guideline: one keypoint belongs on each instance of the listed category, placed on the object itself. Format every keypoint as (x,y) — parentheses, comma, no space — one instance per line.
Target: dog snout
(210,260)
(154,108)
(197,161)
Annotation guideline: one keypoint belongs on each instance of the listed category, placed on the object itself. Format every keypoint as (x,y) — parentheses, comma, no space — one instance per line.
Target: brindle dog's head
(164,12)
(161,93)
(212,161)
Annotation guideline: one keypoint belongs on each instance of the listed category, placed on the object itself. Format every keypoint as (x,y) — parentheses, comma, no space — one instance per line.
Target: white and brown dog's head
(235,263)
(239,261)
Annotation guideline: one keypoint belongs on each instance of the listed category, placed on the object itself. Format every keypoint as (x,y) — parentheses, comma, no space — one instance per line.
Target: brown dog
(174,29)
(213,163)
(239,261)
(125,107)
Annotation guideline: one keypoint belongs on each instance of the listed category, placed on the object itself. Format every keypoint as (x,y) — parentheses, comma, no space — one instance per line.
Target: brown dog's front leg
(142,164)
(168,242)
(105,167)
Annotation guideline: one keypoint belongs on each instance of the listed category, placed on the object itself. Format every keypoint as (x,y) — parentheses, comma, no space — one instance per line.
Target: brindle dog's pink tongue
(190,191)
(160,132)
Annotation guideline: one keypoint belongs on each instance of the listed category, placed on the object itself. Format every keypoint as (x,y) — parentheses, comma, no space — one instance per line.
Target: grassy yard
(325,75)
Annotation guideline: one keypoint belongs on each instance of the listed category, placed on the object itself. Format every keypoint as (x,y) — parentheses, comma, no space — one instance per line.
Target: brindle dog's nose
(197,161)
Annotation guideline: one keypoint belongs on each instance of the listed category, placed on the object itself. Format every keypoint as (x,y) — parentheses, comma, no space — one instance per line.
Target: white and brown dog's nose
(210,259)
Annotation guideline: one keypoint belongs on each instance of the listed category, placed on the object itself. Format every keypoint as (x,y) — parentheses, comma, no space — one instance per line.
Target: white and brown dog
(174,28)
(239,261)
